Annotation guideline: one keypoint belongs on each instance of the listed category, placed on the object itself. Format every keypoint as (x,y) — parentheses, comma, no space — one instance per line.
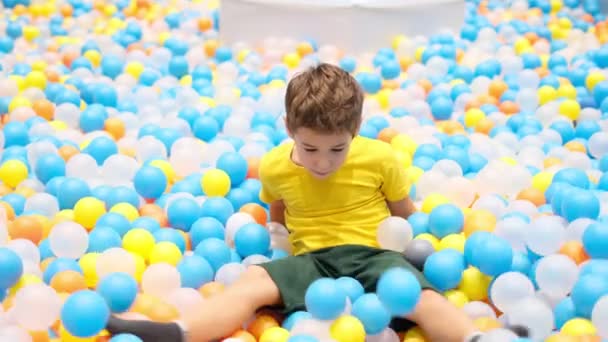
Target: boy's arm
(402,208)
(277,212)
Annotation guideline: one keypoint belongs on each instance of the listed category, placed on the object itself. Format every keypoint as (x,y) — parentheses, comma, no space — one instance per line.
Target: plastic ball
(37,307)
(182,213)
(347,328)
(594,240)
(493,257)
(394,233)
(445,219)
(85,313)
(417,251)
(252,239)
(150,182)
(11,266)
(165,252)
(399,290)
(88,210)
(119,291)
(139,241)
(69,240)
(194,271)
(444,269)
(215,182)
(372,313)
(13,172)
(325,299)
(508,288)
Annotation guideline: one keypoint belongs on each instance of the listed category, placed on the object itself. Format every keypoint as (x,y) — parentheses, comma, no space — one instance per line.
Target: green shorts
(293,275)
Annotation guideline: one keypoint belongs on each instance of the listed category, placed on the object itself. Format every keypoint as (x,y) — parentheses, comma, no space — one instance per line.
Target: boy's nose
(323,164)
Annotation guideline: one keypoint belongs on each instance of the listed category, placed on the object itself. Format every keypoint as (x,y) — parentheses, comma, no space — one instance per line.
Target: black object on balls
(417,251)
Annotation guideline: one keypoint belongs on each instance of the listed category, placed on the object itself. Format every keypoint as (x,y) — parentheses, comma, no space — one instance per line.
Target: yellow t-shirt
(346,207)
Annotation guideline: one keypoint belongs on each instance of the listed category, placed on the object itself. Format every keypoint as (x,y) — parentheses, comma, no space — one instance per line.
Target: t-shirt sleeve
(395,185)
(268,192)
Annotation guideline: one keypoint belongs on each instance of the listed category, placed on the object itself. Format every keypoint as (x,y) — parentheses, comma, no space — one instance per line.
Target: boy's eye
(337,149)
(310,149)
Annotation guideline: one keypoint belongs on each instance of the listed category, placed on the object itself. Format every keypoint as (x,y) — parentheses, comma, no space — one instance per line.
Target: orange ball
(44,109)
(575,251)
(211,288)
(51,75)
(115,127)
(210,46)
(484,126)
(204,24)
(155,212)
(304,48)
(533,195)
(5,190)
(387,134)
(144,303)
(67,151)
(253,168)
(261,323)
(66,10)
(426,85)
(485,324)
(244,336)
(509,107)
(479,220)
(497,88)
(26,227)
(256,211)
(473,103)
(39,336)
(68,281)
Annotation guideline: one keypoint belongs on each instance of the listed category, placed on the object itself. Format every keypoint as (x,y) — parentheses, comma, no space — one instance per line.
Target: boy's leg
(219,316)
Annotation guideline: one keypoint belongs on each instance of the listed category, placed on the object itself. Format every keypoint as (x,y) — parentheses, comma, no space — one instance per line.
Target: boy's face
(320,153)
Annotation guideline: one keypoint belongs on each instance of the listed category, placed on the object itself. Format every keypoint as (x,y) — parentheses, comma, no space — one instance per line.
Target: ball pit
(131,137)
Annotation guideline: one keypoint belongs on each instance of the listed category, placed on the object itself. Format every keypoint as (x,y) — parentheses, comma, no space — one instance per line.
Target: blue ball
(204,228)
(586,128)
(493,257)
(239,197)
(48,167)
(291,320)
(442,108)
(235,165)
(116,221)
(15,134)
(11,268)
(178,66)
(572,176)
(302,338)
(148,223)
(372,313)
(170,235)
(72,190)
(150,182)
(119,290)
(102,238)
(125,338)
(520,263)
(371,83)
(563,312)
(194,271)
(215,251)
(101,148)
(390,69)
(595,240)
(419,222)
(325,299)
(349,64)
(251,239)
(444,269)
(445,219)
(182,212)
(586,292)
(580,204)
(352,286)
(85,313)
(205,128)
(219,208)
(93,118)
(399,290)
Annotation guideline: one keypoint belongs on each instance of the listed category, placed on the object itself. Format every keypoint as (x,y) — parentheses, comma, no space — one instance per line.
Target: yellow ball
(208,101)
(474,284)
(383,98)
(139,241)
(556,5)
(456,297)
(134,69)
(542,180)
(275,334)
(18,102)
(39,65)
(398,40)
(433,200)
(414,173)
(522,45)
(292,60)
(93,56)
(546,94)
(566,91)
(65,214)
(30,32)
(594,78)
(166,252)
(186,80)
(166,168)
(140,266)
(402,142)
(347,328)
(88,210)
(453,241)
(578,327)
(430,238)
(35,79)
(67,337)
(215,182)
(564,23)
(509,160)
(404,158)
(13,172)
(473,116)
(570,109)
(88,264)
(418,53)
(125,209)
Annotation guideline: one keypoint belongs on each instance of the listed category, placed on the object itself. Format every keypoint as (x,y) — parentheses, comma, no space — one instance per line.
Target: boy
(331,188)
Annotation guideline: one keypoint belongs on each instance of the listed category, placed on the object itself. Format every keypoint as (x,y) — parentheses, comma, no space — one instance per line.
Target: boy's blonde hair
(324,98)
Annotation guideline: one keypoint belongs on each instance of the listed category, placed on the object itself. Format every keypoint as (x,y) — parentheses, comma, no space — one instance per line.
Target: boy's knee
(263,289)
(256,273)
